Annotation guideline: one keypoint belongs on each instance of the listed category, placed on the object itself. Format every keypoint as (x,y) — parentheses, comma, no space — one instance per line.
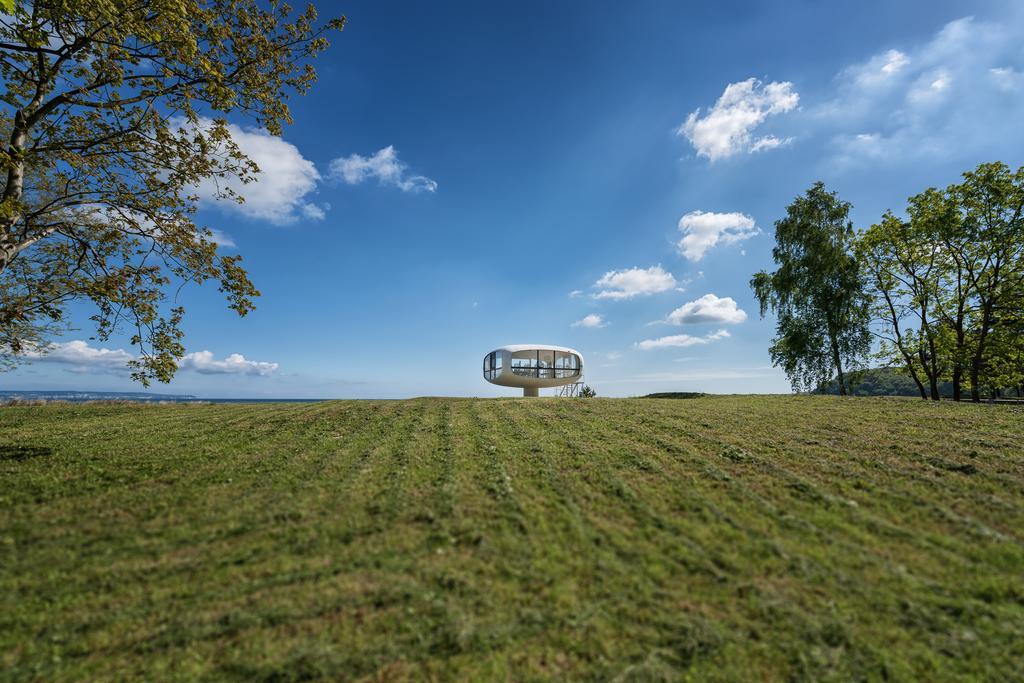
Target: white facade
(533,366)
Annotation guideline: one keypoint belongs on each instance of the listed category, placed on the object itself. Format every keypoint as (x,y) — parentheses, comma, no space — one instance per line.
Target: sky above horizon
(597,176)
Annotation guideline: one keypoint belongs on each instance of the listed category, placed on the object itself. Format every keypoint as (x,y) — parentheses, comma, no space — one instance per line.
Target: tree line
(938,291)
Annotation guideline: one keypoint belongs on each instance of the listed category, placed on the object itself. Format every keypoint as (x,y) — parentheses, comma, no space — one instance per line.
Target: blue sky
(595,175)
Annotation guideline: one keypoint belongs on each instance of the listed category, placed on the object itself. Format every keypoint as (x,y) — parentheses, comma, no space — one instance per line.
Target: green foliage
(675,394)
(730,538)
(114,112)
(948,283)
(816,293)
(991,199)
(587,392)
(895,381)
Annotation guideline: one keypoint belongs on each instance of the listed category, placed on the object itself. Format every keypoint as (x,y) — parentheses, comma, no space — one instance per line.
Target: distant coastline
(134,397)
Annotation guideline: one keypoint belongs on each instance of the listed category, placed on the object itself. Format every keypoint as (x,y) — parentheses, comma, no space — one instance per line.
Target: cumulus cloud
(703,230)
(204,363)
(680,341)
(708,309)
(728,127)
(81,355)
(85,358)
(592,320)
(383,165)
(279,191)
(576,293)
(626,284)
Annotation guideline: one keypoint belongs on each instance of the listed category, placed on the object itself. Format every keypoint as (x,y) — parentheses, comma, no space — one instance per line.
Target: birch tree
(816,293)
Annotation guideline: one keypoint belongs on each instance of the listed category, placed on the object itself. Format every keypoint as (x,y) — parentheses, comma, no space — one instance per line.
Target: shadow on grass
(20,453)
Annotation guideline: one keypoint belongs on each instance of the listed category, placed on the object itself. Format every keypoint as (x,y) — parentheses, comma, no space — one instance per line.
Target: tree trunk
(839,368)
(979,355)
(958,366)
(917,381)
(907,358)
(929,362)
(13,190)
(931,373)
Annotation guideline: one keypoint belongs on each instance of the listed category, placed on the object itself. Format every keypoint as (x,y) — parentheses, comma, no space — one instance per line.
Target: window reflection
(492,365)
(566,364)
(541,364)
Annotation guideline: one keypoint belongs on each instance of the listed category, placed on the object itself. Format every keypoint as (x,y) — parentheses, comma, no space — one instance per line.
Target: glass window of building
(524,363)
(546,364)
(566,364)
(492,365)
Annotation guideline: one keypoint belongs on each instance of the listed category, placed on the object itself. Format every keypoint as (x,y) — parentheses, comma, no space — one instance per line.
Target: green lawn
(719,538)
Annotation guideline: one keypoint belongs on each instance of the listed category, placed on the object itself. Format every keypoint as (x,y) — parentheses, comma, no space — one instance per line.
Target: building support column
(530,392)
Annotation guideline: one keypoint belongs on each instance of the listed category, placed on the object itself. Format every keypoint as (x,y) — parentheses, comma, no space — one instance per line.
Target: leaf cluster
(115,112)
(816,292)
(947,282)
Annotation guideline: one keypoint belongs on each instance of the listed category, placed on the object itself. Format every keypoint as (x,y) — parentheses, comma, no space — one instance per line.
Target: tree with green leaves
(114,113)
(948,283)
(816,293)
(1003,368)
(902,263)
(992,202)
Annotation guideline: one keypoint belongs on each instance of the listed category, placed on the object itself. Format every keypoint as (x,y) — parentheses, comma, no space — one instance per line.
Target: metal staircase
(569,390)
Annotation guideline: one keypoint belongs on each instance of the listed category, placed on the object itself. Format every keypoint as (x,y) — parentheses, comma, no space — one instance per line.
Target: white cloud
(204,363)
(626,284)
(80,354)
(85,358)
(956,95)
(384,166)
(930,87)
(576,293)
(728,127)
(769,142)
(221,239)
(894,60)
(877,71)
(314,212)
(1006,78)
(704,229)
(278,192)
(708,309)
(680,341)
(592,320)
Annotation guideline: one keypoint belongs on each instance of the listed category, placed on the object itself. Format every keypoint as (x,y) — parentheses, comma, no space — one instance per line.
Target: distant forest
(893,382)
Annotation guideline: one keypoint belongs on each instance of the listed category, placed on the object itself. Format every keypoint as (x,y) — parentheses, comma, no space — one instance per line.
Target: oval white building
(533,366)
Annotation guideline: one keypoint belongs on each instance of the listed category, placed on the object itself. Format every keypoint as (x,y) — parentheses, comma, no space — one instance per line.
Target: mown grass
(721,538)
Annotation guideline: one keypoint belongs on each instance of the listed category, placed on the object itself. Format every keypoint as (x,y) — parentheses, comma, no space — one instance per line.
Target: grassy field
(720,538)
